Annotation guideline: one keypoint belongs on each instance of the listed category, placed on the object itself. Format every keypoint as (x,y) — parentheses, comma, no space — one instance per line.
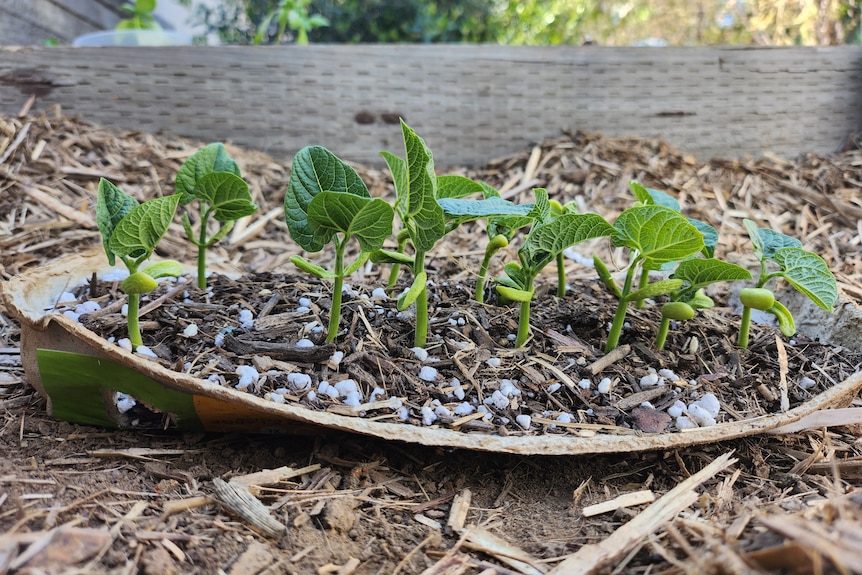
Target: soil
(79,499)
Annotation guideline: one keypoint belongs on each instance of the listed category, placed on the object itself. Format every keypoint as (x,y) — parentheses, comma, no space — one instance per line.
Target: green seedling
(141,16)
(130,231)
(428,207)
(656,236)
(548,237)
(804,270)
(293,15)
(695,274)
(213,178)
(326,201)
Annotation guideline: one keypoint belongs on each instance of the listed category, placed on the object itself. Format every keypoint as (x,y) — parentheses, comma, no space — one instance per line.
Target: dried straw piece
(237,499)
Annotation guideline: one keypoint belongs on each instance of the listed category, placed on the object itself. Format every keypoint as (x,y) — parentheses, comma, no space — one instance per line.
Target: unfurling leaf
(697,273)
(368,220)
(227,194)
(809,274)
(209,159)
(112,205)
(766,242)
(137,234)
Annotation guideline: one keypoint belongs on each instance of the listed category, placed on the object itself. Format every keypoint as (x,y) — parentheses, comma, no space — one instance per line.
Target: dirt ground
(79,499)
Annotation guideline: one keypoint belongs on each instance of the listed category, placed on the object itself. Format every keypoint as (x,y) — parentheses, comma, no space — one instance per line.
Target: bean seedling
(130,231)
(212,177)
(804,270)
(326,201)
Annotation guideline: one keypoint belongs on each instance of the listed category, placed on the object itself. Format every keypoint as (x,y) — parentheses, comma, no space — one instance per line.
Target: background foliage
(545,22)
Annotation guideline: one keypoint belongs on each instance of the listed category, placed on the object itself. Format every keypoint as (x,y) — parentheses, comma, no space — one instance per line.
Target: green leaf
(311,268)
(368,220)
(457,187)
(786,324)
(410,296)
(541,211)
(398,169)
(697,273)
(710,236)
(315,169)
(649,196)
(210,158)
(421,207)
(657,233)
(809,274)
(227,194)
(112,205)
(138,233)
(766,241)
(516,273)
(460,210)
(546,240)
(654,289)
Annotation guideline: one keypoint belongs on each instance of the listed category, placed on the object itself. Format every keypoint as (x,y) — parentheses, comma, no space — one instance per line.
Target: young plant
(293,15)
(695,274)
(429,206)
(130,231)
(326,201)
(548,237)
(655,236)
(141,18)
(804,270)
(212,177)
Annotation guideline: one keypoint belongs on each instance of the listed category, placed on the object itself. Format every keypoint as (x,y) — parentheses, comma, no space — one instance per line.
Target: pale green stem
(134,325)
(483,273)
(661,336)
(523,324)
(393,271)
(421,336)
(744,327)
(335,309)
(561,275)
(620,315)
(202,251)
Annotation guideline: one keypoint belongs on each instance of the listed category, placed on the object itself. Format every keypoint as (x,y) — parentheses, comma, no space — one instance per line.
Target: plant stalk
(744,327)
(202,252)
(561,275)
(132,318)
(480,280)
(335,309)
(620,315)
(523,324)
(393,271)
(661,336)
(421,336)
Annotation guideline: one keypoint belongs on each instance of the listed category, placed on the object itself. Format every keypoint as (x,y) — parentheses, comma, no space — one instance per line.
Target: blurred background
(526,22)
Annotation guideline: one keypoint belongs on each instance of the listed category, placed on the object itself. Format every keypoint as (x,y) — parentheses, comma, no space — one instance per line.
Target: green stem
(744,326)
(642,283)
(620,315)
(561,275)
(661,336)
(480,280)
(134,325)
(523,324)
(393,271)
(335,310)
(421,336)
(202,251)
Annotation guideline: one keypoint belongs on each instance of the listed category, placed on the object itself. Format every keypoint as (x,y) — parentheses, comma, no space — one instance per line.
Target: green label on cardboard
(76,384)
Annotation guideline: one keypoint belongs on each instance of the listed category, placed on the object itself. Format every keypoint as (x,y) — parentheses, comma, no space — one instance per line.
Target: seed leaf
(315,169)
(657,233)
(311,268)
(137,234)
(809,274)
(458,187)
(368,220)
(514,294)
(697,273)
(786,324)
(413,292)
(654,289)
(227,194)
(112,205)
(459,210)
(766,241)
(546,240)
(210,158)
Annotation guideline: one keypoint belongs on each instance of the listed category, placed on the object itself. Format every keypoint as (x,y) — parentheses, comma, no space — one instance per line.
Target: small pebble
(524,421)
(428,373)
(605,385)
(807,383)
(585,384)
(420,353)
(304,342)
(554,387)
(191,330)
(494,362)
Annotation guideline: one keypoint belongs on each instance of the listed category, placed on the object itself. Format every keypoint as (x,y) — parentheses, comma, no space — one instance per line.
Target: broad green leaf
(809,274)
(398,169)
(710,236)
(514,294)
(227,194)
(210,158)
(112,205)
(460,210)
(649,196)
(657,233)
(697,273)
(315,169)
(546,240)
(311,268)
(489,191)
(654,289)
(425,216)
(541,211)
(786,324)
(413,292)
(138,233)
(766,241)
(453,186)
(368,220)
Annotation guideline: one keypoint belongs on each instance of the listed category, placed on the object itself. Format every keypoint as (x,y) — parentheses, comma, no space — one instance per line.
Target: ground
(80,499)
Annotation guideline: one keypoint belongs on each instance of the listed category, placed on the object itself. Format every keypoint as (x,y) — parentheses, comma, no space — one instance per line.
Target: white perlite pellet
(304,342)
(125,343)
(304,302)
(508,388)
(124,402)
(379,293)
(420,353)
(428,415)
(806,383)
(494,362)
(346,386)
(498,400)
(524,420)
(428,373)
(191,330)
(585,384)
(246,319)
(248,376)
(299,381)
(464,409)
(605,385)
(676,409)
(554,387)
(144,351)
